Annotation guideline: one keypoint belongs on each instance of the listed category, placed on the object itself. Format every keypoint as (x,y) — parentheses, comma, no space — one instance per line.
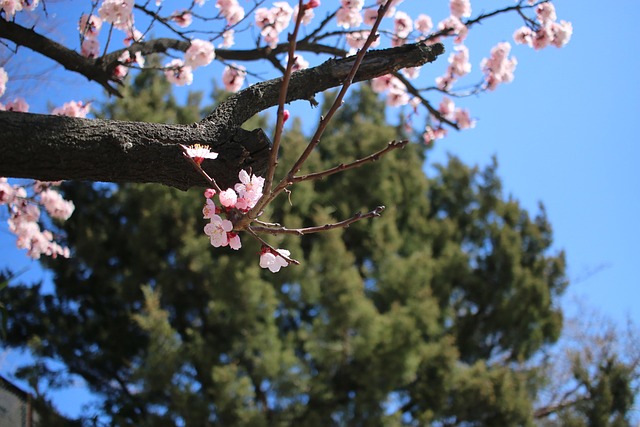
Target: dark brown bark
(59,148)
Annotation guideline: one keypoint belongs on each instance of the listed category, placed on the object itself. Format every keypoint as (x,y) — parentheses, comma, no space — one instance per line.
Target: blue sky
(563,133)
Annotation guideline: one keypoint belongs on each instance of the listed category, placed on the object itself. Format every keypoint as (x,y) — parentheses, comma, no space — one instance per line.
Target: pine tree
(422,316)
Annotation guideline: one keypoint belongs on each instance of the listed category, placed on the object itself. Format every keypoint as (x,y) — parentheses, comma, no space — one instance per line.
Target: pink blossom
(182,19)
(30,4)
(199,152)
(463,120)
(285,116)
(460,8)
(72,109)
(499,68)
(523,35)
(178,73)
(231,10)
(423,24)
(398,97)
(546,13)
(117,12)
(459,61)
(133,36)
(348,17)
(357,39)
(446,107)
(90,48)
(249,187)
(411,72)
(19,105)
(455,26)
(209,209)
(228,39)
(233,77)
(307,15)
(89,26)
(273,260)
(10,8)
(228,198)
(561,33)
(199,53)
(209,193)
(403,25)
(311,4)
(370,16)
(217,230)
(382,83)
(392,8)
(4,78)
(234,241)
(542,38)
(430,134)
(56,205)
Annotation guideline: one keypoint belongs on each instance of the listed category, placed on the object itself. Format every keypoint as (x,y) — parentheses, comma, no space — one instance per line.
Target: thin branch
(317,229)
(343,167)
(273,158)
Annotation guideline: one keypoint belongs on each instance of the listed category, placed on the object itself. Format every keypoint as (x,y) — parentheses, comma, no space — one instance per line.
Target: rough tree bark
(59,148)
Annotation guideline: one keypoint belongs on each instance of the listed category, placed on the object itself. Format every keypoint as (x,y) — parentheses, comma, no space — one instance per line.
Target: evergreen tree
(423,316)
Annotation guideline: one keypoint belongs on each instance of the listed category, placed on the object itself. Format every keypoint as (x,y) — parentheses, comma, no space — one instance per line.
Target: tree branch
(58,148)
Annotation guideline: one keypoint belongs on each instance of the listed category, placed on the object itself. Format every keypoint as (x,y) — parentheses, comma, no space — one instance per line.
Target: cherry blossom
(460,8)
(90,48)
(4,78)
(72,109)
(423,23)
(199,53)
(231,10)
(228,198)
(89,26)
(234,241)
(117,12)
(182,19)
(499,68)
(19,105)
(178,73)
(199,152)
(228,39)
(273,260)
(217,230)
(10,8)
(249,187)
(233,77)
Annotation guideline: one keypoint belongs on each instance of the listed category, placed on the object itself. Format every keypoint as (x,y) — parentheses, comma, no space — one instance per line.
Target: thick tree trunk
(59,148)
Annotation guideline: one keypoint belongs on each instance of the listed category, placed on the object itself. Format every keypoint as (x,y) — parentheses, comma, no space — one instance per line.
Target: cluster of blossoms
(233,203)
(23,202)
(498,68)
(549,32)
(10,7)
(24,216)
(449,111)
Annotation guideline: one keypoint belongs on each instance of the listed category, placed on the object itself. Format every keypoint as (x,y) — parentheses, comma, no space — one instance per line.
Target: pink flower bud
(312,4)
(286,116)
(209,193)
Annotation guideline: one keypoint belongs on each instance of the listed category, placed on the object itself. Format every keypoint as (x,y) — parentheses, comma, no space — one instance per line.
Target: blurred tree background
(444,311)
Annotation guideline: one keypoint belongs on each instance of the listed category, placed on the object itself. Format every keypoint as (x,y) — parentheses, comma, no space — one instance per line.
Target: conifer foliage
(426,316)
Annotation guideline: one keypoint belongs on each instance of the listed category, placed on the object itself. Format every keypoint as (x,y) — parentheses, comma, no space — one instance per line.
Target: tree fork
(56,148)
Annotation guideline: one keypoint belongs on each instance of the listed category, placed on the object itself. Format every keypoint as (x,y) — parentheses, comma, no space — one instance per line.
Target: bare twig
(343,167)
(316,229)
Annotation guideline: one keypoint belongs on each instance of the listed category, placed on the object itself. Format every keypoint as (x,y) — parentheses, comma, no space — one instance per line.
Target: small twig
(267,224)
(316,229)
(212,182)
(343,167)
